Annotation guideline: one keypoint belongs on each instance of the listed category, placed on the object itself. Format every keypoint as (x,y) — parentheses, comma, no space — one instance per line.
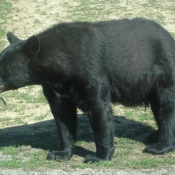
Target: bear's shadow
(44,134)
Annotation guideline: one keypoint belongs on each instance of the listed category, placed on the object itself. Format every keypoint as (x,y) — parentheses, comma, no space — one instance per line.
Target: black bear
(88,65)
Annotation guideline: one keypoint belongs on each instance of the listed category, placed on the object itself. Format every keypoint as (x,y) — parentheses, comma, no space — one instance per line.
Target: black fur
(89,65)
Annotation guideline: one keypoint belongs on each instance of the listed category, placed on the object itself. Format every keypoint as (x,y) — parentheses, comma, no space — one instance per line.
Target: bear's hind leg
(163,107)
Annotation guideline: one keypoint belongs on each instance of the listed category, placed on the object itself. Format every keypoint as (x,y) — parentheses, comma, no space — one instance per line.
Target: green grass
(81,142)
(27,96)
(5,14)
(5,10)
(103,10)
(15,163)
(11,150)
(5,119)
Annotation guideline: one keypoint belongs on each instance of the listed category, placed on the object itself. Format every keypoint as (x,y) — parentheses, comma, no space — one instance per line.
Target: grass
(103,10)
(30,127)
(5,10)
(5,14)
(11,150)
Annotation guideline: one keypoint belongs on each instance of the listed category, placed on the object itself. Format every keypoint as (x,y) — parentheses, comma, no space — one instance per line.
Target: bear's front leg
(64,112)
(101,121)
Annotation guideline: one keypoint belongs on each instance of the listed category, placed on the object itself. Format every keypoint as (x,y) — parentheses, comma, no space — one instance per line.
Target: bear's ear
(12,38)
(32,46)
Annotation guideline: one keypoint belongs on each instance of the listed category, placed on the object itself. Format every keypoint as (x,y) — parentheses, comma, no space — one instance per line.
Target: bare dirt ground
(30,17)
